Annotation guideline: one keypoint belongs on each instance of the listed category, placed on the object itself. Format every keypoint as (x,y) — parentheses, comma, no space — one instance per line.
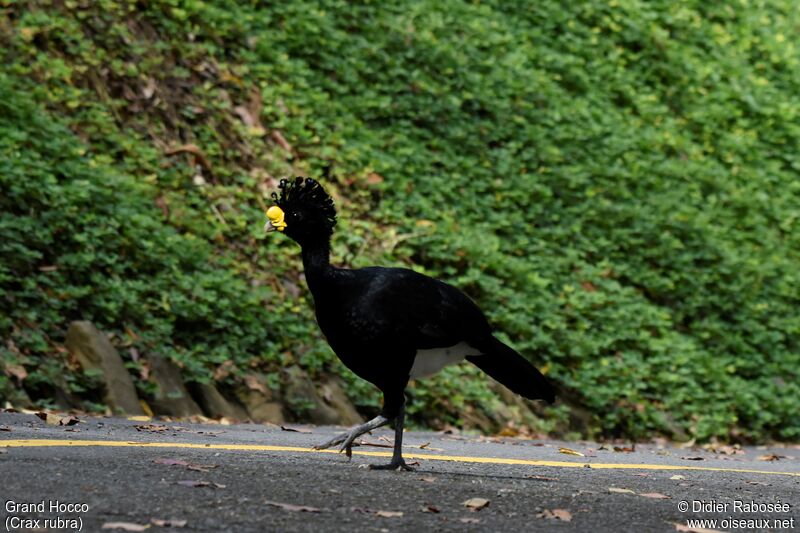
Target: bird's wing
(420,310)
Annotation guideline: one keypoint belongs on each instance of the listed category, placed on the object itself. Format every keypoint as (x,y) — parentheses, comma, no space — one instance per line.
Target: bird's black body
(379,320)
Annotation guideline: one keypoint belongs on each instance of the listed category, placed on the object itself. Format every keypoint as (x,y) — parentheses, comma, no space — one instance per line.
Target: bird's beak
(275,215)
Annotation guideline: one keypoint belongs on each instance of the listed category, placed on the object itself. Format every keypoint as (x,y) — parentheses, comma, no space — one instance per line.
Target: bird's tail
(512,370)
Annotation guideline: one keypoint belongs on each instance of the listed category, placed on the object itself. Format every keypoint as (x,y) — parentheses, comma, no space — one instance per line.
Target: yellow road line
(36,443)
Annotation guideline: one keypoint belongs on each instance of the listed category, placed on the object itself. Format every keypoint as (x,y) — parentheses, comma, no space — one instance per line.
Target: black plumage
(391,324)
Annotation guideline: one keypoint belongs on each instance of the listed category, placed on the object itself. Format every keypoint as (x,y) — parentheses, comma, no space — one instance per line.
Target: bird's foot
(396,464)
(345,439)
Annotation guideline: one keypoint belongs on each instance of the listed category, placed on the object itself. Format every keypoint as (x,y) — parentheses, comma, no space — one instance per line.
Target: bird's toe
(394,465)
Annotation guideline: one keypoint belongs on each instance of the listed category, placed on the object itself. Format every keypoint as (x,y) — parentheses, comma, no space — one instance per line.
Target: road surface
(116,474)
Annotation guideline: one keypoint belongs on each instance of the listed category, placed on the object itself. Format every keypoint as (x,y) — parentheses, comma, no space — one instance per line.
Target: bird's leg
(346,439)
(397,461)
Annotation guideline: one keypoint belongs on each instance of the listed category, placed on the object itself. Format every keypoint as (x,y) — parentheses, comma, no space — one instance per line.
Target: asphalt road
(245,477)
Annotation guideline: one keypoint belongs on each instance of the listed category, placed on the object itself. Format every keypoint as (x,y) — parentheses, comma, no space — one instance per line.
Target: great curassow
(389,325)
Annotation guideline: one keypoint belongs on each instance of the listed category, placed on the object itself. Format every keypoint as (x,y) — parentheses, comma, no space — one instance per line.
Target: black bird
(389,325)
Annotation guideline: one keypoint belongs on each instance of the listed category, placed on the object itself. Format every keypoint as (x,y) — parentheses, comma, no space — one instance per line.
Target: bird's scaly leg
(397,461)
(346,439)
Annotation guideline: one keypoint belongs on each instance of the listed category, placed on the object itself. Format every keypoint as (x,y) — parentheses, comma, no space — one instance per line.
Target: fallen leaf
(426,446)
(771,457)
(188,465)
(620,491)
(168,523)
(198,483)
(170,462)
(569,451)
(693,458)
(250,119)
(625,449)
(428,479)
(466,520)
(57,420)
(373,178)
(201,468)
(295,508)
(296,430)
(149,89)
(655,495)
(677,477)
(155,428)
(556,514)
(278,137)
(724,449)
(430,509)
(193,149)
(139,418)
(376,512)
(758,483)
(17,371)
(125,526)
(254,384)
(687,529)
(476,504)
(223,370)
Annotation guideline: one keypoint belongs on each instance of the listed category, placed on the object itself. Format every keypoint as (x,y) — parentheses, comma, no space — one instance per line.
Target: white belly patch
(428,362)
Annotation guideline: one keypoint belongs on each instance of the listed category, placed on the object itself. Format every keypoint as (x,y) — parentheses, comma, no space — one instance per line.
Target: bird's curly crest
(306,195)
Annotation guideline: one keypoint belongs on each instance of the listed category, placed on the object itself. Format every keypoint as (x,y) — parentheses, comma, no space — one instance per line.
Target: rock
(215,405)
(305,403)
(94,352)
(259,400)
(332,392)
(171,397)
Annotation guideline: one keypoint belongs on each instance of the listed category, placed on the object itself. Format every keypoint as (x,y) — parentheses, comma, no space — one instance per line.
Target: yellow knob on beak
(275,215)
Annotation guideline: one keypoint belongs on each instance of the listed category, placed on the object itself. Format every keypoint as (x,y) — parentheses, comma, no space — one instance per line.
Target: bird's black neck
(316,263)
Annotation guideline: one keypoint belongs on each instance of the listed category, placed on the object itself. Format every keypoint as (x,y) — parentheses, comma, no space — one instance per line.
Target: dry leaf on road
(378,512)
(620,491)
(677,477)
(198,483)
(569,451)
(57,420)
(151,427)
(389,514)
(167,523)
(771,457)
(295,508)
(556,514)
(188,465)
(476,504)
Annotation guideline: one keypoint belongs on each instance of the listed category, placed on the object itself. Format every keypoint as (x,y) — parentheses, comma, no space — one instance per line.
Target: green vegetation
(616,183)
